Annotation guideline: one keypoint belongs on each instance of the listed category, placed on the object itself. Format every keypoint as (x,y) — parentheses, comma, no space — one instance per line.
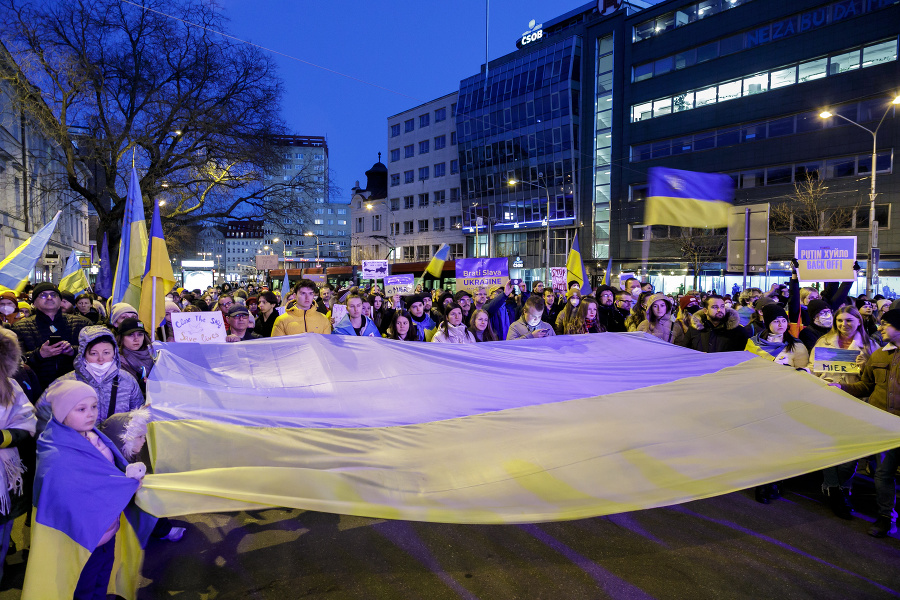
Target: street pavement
(724,547)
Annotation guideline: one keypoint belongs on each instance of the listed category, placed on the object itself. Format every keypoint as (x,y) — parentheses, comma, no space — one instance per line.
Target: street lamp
(283,249)
(872,270)
(370,205)
(513,182)
(311,234)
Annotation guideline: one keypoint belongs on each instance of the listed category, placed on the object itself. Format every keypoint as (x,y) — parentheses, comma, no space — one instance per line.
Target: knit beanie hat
(815,307)
(772,311)
(763,301)
(63,395)
(120,309)
(686,299)
(68,296)
(172,307)
(860,302)
(44,286)
(9,295)
(892,318)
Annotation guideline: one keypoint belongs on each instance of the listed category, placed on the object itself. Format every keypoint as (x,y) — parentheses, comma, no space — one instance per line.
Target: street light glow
(896,100)
(368,206)
(513,181)
(825,114)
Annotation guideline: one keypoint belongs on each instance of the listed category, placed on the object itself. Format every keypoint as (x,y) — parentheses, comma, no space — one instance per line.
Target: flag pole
(153,312)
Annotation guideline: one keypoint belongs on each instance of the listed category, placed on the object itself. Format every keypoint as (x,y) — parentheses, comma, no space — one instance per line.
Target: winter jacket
(727,336)
(779,352)
(668,329)
(453,334)
(425,327)
(882,367)
(811,334)
(263,325)
(138,363)
(521,330)
(296,320)
(345,327)
(128,394)
(499,314)
(35,330)
(611,318)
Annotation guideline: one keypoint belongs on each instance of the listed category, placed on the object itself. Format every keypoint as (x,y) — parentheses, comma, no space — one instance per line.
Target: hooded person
(715,328)
(820,321)
(660,320)
(776,343)
(86,524)
(98,364)
(134,351)
(9,308)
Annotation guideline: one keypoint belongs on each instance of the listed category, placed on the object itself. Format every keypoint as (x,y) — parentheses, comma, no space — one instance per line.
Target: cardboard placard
(337,312)
(374,269)
(558,278)
(399,284)
(835,360)
(199,327)
(826,258)
(472,273)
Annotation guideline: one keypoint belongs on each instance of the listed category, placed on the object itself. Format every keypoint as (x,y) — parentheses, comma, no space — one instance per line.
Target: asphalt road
(725,547)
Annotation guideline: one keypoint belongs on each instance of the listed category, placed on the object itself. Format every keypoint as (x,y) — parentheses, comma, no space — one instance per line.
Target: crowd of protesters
(51,341)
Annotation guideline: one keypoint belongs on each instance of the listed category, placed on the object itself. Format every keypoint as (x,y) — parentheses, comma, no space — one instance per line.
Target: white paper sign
(374,269)
(202,327)
(337,312)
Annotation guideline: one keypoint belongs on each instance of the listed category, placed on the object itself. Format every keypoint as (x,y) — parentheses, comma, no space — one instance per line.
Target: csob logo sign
(534,33)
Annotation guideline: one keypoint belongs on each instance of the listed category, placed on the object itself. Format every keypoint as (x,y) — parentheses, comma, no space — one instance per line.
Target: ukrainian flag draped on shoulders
(78,494)
(158,277)
(132,247)
(688,199)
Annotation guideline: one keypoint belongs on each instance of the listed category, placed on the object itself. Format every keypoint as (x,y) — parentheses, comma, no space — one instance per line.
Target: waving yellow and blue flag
(436,266)
(158,277)
(73,278)
(16,268)
(575,268)
(688,199)
(132,248)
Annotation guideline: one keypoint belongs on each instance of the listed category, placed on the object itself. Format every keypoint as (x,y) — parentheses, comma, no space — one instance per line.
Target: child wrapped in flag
(86,528)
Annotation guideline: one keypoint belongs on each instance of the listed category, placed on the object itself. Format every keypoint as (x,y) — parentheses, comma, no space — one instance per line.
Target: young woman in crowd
(135,351)
(481,328)
(265,317)
(401,327)
(567,314)
(585,318)
(452,330)
(638,311)
(660,320)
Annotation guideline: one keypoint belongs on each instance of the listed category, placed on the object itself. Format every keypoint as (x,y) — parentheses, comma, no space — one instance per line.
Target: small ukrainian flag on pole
(436,266)
(688,198)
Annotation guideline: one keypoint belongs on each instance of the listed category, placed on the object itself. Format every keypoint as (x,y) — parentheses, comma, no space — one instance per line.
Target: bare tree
(114,85)
(809,211)
(698,247)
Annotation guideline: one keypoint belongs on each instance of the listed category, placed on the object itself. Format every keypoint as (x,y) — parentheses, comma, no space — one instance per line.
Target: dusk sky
(418,50)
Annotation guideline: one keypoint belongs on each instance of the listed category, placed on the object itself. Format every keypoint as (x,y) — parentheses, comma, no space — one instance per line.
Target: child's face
(83,415)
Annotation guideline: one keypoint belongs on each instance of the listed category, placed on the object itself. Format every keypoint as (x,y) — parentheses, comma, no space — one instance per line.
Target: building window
(395,130)
(395,204)
(395,179)
(423,225)
(409,253)
(452,138)
(439,224)
(424,120)
(395,228)
(453,109)
(440,169)
(422,253)
(376,222)
(440,142)
(395,154)
(409,125)
(409,176)
(423,173)
(440,115)
(454,166)
(423,200)
(407,227)
(454,194)
(408,201)
(456,222)
(342,211)
(409,151)
(423,147)
(439,196)
(360,224)
(319,222)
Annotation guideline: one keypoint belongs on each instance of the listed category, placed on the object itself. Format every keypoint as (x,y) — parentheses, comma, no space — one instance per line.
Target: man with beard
(716,328)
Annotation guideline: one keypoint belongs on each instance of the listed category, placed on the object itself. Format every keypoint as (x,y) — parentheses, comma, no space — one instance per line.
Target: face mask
(824,320)
(636,292)
(98,370)
(575,301)
(692,309)
(7,310)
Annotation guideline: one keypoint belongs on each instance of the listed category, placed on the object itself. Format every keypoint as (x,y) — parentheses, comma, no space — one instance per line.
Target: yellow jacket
(296,320)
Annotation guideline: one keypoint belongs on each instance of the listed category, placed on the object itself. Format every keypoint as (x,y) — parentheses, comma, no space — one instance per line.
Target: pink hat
(65,394)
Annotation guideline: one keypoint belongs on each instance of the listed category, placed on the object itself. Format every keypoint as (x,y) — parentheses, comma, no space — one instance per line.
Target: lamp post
(392,247)
(283,250)
(872,270)
(513,182)
(311,234)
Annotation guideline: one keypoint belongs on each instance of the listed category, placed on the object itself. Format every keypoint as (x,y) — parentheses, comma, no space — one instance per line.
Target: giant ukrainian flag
(565,427)
(132,248)
(158,277)
(16,268)
(688,199)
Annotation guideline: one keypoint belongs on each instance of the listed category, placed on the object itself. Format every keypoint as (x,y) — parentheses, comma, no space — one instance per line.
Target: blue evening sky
(417,49)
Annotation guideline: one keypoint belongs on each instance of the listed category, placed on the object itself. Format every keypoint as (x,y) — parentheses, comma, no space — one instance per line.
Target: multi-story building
(211,245)
(593,98)
(319,225)
(243,241)
(422,210)
(34,186)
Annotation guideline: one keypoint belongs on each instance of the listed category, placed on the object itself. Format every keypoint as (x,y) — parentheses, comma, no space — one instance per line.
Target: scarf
(18,415)
(589,324)
(139,360)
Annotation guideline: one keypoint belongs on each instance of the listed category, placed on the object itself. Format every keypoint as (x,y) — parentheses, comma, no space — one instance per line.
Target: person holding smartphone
(49,338)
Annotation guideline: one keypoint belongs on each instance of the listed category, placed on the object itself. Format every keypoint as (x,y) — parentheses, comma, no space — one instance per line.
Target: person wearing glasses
(49,338)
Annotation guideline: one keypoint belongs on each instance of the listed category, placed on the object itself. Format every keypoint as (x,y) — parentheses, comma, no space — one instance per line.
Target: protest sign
(558,278)
(399,284)
(202,327)
(374,269)
(623,277)
(337,312)
(472,273)
(835,360)
(826,258)
(317,278)
(266,262)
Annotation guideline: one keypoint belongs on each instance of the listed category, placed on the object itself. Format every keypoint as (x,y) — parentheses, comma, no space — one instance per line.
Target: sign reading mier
(374,269)
(826,258)
(472,273)
(199,327)
(835,360)
(399,284)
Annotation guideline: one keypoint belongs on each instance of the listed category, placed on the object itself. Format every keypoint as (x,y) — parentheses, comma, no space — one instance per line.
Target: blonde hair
(10,358)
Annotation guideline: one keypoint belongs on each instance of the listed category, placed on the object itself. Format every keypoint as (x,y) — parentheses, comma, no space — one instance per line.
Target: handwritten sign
(826,258)
(399,284)
(835,360)
(558,278)
(199,327)
(472,273)
(337,312)
(374,269)
(266,262)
